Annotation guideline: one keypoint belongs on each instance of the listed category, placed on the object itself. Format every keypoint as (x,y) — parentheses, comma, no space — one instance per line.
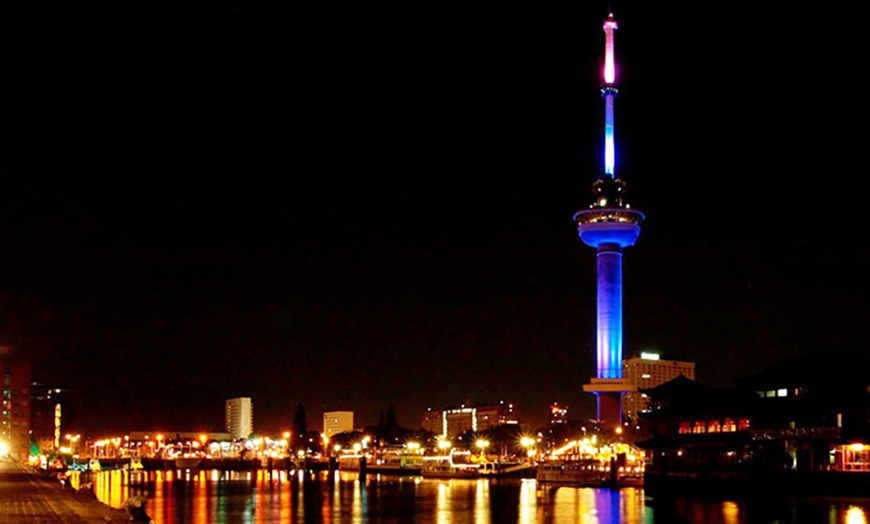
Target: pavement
(28,496)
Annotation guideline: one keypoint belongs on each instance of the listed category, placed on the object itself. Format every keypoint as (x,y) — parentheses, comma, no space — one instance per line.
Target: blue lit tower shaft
(609,225)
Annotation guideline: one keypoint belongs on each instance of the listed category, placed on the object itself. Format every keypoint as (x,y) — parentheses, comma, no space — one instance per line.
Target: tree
(300,428)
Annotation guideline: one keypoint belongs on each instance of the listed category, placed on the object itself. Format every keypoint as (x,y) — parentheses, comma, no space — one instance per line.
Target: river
(258,497)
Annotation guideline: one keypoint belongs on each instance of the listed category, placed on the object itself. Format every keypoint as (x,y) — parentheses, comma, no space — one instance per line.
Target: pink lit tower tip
(609,225)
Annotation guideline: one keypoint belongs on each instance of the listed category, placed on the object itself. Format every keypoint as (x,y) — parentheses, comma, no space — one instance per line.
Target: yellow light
(202,438)
(286,434)
(855,515)
(856,447)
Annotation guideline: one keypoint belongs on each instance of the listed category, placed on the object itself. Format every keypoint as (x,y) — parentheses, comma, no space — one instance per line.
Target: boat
(573,471)
(350,461)
(506,468)
(395,460)
(187,462)
(456,464)
(589,471)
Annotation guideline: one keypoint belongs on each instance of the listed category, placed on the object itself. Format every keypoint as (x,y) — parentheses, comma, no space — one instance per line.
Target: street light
(528,443)
(482,444)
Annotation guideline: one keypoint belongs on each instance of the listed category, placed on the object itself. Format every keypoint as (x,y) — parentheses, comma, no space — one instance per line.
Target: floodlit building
(645,371)
(240,417)
(450,422)
(15,422)
(335,422)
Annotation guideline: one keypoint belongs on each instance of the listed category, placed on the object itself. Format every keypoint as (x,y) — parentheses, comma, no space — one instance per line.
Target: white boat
(574,471)
(398,461)
(456,464)
(508,468)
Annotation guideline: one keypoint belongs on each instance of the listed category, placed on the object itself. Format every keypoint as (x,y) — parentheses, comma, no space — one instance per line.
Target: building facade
(240,417)
(801,422)
(335,422)
(450,422)
(15,422)
(646,371)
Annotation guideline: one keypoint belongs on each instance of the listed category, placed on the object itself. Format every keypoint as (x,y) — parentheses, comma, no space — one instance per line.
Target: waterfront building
(647,370)
(802,419)
(558,414)
(335,422)
(609,225)
(450,422)
(15,422)
(240,417)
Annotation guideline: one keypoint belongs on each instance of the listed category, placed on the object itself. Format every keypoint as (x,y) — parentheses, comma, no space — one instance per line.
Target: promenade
(28,497)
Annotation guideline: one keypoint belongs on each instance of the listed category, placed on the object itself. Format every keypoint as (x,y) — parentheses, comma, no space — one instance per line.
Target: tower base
(608,393)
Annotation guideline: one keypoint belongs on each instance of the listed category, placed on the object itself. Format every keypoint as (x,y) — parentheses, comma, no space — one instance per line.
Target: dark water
(213,497)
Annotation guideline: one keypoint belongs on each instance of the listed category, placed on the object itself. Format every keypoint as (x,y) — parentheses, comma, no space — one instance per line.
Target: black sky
(360,208)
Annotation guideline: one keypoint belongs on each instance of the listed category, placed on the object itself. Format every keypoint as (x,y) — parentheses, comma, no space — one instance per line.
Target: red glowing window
(743,425)
(685,426)
(728,425)
(713,426)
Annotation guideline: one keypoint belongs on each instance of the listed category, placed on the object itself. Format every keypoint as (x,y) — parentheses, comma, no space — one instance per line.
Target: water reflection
(261,497)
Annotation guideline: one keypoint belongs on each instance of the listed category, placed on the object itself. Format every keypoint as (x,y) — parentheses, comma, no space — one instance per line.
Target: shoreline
(35,493)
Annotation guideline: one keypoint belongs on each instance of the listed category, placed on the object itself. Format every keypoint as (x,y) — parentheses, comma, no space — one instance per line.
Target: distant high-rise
(558,414)
(609,225)
(15,428)
(335,422)
(240,417)
(450,422)
(645,371)
(46,416)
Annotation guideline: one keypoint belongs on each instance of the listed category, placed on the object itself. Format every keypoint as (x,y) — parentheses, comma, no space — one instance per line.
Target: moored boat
(456,464)
(578,472)
(397,461)
(187,462)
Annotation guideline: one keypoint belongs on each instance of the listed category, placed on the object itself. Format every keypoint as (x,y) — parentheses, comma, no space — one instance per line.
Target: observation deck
(617,226)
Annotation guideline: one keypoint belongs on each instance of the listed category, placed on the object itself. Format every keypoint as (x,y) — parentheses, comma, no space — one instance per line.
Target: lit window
(781,392)
(685,427)
(743,425)
(769,394)
(713,426)
(700,427)
(728,425)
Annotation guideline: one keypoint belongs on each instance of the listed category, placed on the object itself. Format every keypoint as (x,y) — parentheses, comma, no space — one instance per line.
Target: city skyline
(339,211)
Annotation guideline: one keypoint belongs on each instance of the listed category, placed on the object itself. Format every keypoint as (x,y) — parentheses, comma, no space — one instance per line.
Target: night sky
(353,208)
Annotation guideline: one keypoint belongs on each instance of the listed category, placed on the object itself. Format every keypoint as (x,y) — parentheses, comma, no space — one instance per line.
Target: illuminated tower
(609,225)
